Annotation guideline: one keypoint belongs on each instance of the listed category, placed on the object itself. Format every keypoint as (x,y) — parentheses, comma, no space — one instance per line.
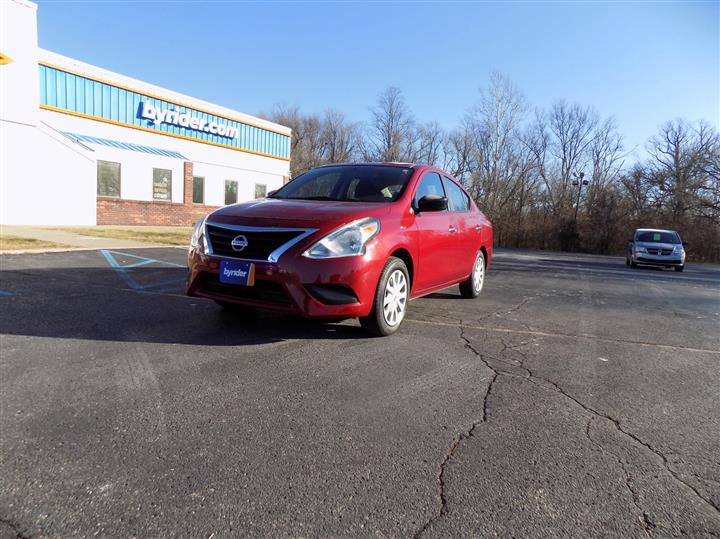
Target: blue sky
(643,62)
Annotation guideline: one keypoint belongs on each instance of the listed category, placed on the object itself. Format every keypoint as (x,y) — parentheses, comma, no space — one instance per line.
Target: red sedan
(343,241)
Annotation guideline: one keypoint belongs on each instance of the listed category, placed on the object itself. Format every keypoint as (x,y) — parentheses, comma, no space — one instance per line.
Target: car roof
(654,230)
(413,166)
(371,163)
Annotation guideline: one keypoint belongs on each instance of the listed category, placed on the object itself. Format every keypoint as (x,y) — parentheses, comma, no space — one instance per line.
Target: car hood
(284,212)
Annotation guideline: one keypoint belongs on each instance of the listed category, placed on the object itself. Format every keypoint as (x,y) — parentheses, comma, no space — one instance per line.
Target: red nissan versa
(343,241)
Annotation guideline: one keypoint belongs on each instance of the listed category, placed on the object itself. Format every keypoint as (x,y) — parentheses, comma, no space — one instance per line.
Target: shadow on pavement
(139,305)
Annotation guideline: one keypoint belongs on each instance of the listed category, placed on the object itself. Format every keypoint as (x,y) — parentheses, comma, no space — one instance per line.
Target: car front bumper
(333,288)
(659,260)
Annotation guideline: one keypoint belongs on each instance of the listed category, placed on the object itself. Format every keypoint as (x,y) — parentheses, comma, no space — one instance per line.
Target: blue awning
(124,145)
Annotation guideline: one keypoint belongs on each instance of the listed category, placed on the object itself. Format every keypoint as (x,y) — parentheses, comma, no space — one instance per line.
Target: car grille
(265,291)
(260,243)
(665,252)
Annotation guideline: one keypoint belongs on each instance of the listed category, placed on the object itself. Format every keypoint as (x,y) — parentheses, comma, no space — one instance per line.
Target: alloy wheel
(479,273)
(395,298)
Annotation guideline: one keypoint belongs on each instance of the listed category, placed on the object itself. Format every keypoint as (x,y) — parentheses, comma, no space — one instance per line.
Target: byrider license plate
(242,273)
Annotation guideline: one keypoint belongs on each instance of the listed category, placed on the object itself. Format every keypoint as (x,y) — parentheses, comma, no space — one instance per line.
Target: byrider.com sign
(159,116)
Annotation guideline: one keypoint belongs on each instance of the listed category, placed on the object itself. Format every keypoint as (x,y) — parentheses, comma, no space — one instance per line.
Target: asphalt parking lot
(575,397)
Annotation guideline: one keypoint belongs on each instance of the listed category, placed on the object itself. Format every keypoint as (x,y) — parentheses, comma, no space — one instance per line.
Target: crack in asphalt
(538,380)
(567,336)
(645,521)
(514,309)
(442,510)
(616,423)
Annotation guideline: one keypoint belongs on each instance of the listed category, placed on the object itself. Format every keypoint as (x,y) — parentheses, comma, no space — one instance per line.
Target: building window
(108,179)
(230,192)
(260,190)
(198,190)
(162,184)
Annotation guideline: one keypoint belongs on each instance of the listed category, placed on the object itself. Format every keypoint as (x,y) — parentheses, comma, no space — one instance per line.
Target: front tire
(472,286)
(679,268)
(391,297)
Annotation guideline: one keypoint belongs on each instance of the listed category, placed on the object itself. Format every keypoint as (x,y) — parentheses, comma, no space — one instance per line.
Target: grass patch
(16,243)
(157,235)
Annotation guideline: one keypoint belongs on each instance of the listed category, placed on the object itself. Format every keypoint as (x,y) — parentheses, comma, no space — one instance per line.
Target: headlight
(678,250)
(348,240)
(640,250)
(197,239)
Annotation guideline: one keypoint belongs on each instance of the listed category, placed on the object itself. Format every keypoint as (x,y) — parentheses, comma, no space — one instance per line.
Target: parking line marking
(5,294)
(568,336)
(108,254)
(121,270)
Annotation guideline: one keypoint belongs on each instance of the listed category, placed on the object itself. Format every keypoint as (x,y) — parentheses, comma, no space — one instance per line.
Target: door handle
(478,228)
(452,229)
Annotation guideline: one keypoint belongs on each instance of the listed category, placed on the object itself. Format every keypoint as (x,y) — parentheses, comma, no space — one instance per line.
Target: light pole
(578,182)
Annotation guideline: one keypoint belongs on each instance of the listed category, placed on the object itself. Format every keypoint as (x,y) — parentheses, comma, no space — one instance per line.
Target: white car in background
(656,247)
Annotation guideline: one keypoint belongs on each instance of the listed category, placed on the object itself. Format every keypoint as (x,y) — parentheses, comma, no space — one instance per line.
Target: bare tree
(458,152)
(317,140)
(340,138)
(390,134)
(683,170)
(571,130)
(430,143)
(306,144)
(500,165)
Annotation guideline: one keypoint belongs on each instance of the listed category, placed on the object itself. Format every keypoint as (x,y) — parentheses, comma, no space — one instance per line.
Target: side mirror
(684,244)
(432,203)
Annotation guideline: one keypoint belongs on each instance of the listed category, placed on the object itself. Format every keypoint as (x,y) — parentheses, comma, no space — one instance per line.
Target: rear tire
(390,303)
(627,261)
(679,268)
(472,286)
(633,264)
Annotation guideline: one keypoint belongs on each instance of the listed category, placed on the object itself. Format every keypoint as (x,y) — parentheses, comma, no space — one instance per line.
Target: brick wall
(117,211)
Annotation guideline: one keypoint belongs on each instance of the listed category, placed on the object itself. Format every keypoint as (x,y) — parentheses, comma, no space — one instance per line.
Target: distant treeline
(548,179)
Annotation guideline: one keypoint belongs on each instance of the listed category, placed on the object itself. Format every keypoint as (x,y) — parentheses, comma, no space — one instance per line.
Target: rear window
(657,237)
(360,183)
(458,200)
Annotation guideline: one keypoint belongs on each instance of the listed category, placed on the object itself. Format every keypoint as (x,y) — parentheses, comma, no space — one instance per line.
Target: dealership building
(80,145)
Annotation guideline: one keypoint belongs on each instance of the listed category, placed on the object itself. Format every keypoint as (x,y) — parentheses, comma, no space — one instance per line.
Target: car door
(467,229)
(434,267)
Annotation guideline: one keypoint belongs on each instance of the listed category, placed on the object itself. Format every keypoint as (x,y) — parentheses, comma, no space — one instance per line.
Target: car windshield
(357,183)
(657,237)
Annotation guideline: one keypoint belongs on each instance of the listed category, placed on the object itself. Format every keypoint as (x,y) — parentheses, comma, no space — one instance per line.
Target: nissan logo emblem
(239,243)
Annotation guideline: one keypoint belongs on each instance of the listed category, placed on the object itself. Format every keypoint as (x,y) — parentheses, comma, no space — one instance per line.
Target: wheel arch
(484,251)
(404,255)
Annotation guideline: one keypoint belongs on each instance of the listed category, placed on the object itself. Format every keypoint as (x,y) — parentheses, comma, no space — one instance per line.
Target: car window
(358,183)
(457,199)
(322,186)
(657,237)
(430,184)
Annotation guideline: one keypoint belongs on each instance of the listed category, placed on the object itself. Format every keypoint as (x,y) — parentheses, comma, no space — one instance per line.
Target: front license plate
(242,273)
